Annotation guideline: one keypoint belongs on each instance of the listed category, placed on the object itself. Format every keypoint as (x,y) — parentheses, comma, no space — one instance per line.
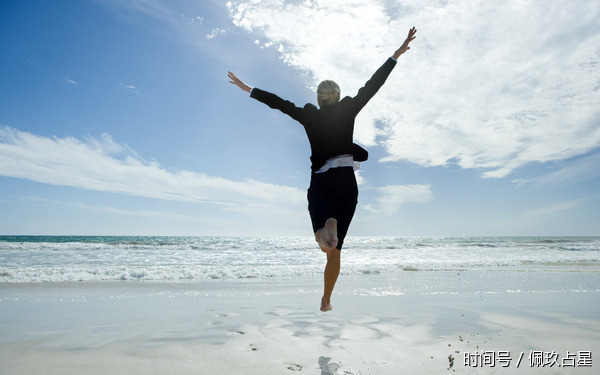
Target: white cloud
(555,209)
(392,197)
(70,81)
(190,22)
(130,88)
(573,172)
(360,180)
(101,164)
(487,85)
(119,211)
(215,32)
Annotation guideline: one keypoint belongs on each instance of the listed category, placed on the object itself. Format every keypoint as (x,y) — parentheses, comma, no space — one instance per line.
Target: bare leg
(332,270)
(327,236)
(328,240)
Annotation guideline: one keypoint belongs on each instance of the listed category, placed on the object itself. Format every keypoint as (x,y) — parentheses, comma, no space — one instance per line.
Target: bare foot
(326,306)
(327,236)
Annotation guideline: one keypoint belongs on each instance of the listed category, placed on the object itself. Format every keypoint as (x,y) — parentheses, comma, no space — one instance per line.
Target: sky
(117,118)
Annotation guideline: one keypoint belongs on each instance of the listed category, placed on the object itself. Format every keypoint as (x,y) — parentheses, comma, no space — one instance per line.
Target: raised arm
(378,79)
(267,98)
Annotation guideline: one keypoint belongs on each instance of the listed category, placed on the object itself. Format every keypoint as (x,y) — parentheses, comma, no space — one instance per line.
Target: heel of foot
(329,233)
(331,224)
(326,307)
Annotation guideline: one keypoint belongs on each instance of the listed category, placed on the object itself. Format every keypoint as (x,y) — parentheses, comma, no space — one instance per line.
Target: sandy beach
(262,327)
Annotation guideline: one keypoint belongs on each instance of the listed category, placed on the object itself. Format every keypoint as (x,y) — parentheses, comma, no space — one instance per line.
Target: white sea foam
(64,259)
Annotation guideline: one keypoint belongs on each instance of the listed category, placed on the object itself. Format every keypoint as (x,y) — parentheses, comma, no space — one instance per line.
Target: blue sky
(116,117)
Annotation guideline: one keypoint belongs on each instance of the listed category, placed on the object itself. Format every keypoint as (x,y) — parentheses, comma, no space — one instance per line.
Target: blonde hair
(328,93)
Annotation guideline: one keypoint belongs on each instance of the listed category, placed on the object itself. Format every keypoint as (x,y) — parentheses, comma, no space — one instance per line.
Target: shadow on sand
(326,367)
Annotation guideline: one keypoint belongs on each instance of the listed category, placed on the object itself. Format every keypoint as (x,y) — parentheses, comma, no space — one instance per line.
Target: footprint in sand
(294,367)
(218,322)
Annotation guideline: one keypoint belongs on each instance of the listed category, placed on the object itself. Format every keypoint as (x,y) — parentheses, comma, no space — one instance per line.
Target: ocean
(377,265)
(212,305)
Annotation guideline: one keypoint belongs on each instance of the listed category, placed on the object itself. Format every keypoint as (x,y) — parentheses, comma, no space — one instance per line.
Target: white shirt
(339,161)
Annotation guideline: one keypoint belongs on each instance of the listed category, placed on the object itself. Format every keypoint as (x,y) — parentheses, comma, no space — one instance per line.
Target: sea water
(374,265)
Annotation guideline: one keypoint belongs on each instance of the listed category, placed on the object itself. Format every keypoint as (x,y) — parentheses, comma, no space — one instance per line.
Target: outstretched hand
(404,47)
(238,82)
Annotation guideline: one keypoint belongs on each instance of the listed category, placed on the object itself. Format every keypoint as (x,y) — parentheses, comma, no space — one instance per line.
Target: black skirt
(333,194)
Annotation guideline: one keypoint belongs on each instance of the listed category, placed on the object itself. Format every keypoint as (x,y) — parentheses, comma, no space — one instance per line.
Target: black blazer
(330,128)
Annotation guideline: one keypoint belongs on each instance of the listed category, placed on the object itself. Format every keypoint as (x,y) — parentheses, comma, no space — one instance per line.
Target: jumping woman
(333,192)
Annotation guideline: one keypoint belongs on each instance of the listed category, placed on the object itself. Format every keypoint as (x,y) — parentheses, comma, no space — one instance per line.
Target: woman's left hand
(238,82)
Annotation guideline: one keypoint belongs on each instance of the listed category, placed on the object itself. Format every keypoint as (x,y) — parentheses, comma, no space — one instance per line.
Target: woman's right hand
(238,82)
